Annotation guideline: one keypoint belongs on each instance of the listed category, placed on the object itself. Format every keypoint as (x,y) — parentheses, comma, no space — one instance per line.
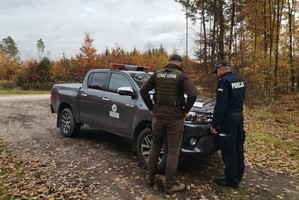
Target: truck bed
(72,86)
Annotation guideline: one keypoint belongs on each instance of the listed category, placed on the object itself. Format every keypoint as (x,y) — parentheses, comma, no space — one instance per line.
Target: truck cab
(109,99)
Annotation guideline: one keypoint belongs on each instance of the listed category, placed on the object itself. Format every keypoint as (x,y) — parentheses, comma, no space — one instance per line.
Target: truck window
(117,81)
(140,78)
(97,80)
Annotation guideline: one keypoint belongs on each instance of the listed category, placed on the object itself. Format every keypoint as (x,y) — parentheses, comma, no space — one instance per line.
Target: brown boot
(175,188)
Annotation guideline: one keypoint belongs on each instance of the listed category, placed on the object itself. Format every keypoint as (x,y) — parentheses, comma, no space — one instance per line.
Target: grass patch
(278,154)
(262,115)
(272,139)
(293,127)
(18,91)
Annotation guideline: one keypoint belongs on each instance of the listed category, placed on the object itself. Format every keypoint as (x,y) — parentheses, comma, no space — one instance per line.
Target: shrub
(7,85)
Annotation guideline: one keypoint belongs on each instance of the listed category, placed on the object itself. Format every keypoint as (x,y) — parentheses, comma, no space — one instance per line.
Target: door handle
(105,99)
(84,95)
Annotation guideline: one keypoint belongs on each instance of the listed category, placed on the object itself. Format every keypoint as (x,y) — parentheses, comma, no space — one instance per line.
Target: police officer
(228,123)
(169,110)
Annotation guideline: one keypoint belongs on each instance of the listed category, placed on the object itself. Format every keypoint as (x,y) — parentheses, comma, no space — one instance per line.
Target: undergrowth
(272,136)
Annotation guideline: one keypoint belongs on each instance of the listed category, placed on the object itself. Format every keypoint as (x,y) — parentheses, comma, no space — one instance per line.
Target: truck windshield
(140,78)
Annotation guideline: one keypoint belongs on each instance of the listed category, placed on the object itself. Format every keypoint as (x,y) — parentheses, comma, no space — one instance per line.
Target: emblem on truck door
(113,112)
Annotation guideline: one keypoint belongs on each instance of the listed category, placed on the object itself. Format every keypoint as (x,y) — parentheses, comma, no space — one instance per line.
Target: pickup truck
(109,99)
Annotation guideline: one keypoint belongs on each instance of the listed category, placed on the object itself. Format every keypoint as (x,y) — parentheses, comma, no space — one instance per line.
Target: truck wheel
(67,124)
(144,143)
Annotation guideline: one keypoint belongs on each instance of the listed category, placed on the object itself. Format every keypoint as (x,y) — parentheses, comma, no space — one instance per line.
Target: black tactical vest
(166,91)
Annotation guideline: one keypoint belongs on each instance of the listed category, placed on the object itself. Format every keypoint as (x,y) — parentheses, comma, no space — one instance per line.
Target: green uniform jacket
(186,87)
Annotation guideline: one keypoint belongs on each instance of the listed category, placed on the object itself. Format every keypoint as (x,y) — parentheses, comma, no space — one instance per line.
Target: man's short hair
(175,57)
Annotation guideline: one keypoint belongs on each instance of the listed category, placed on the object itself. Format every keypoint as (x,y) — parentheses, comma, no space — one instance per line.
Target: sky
(62,25)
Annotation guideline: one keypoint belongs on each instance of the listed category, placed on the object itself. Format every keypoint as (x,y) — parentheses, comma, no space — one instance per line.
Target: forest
(258,37)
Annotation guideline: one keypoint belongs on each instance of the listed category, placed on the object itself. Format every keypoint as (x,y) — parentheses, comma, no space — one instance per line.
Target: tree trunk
(290,19)
(232,24)
(221,30)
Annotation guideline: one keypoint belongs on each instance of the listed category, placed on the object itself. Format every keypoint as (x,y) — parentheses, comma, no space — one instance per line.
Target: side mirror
(126,91)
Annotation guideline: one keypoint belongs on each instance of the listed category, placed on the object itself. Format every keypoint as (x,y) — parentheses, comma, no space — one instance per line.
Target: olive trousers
(172,130)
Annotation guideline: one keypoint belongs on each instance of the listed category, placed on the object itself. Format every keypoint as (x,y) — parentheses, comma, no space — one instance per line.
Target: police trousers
(172,130)
(232,138)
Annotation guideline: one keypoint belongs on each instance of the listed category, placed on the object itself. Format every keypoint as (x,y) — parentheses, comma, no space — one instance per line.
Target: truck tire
(144,143)
(67,124)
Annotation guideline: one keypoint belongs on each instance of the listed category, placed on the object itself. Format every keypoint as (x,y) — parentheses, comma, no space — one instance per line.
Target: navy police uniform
(228,120)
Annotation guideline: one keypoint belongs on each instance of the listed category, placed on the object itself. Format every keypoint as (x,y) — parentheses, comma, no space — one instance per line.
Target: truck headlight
(197,118)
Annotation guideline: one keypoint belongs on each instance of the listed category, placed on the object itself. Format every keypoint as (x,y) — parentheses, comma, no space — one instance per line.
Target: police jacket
(230,97)
(170,110)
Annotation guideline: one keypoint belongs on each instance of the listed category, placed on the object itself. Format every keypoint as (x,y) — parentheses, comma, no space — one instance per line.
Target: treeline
(259,38)
(42,73)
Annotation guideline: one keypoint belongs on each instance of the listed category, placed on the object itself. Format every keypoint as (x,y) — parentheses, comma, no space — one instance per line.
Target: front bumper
(203,142)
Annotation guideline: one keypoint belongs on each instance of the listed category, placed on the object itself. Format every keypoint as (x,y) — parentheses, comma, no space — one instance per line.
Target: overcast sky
(62,25)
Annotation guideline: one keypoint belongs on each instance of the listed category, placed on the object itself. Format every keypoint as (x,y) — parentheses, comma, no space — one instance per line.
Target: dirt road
(98,165)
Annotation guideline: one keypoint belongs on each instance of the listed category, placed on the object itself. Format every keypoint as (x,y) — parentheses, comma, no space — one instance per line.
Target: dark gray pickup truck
(109,99)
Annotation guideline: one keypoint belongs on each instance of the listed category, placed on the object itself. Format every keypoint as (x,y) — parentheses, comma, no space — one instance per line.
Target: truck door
(90,98)
(117,110)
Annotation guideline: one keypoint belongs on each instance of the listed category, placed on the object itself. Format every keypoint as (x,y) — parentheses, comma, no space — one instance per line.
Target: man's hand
(186,115)
(213,131)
